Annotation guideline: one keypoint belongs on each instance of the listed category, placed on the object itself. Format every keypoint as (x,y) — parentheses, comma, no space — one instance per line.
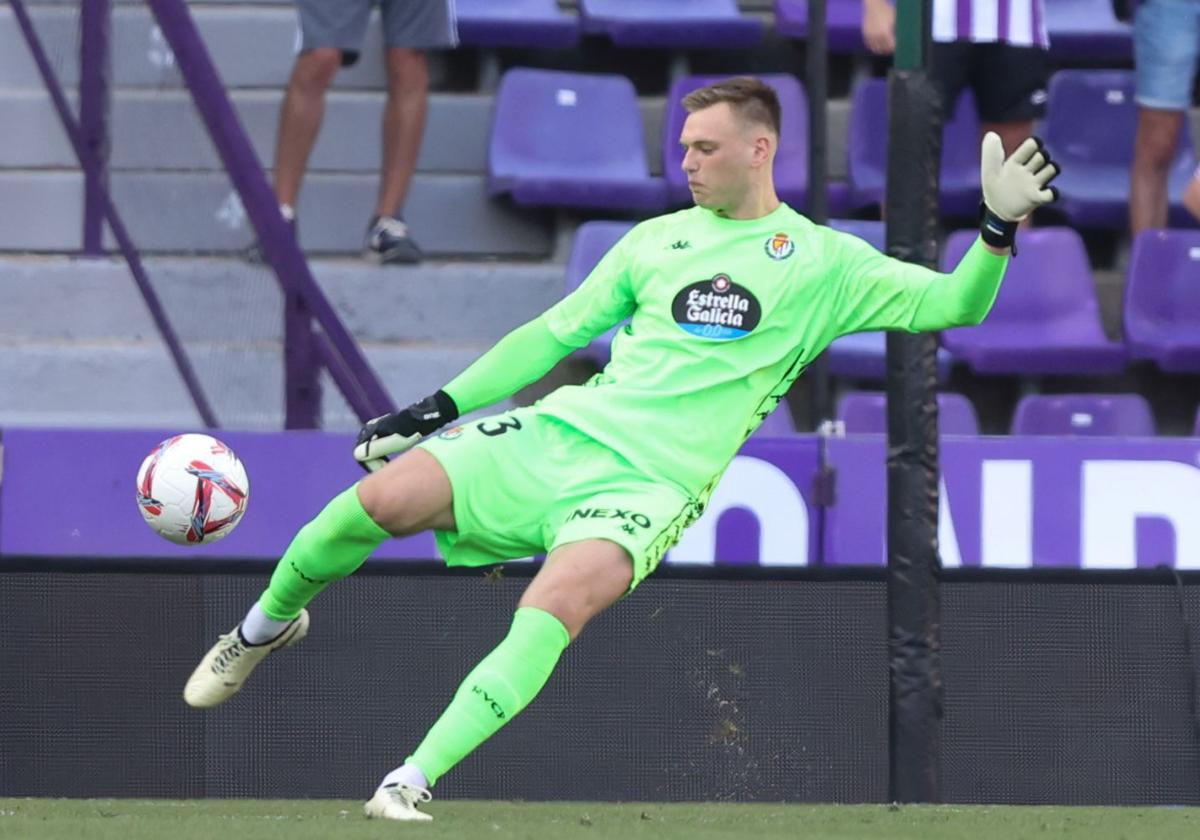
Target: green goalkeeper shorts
(525,483)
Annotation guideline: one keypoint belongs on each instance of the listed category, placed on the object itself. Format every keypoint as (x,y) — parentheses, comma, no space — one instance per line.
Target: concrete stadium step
(40,211)
(138,385)
(161,130)
(100,361)
(227,301)
(181,212)
(252,46)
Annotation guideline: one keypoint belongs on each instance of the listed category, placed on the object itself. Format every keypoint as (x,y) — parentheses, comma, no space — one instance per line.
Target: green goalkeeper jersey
(723,316)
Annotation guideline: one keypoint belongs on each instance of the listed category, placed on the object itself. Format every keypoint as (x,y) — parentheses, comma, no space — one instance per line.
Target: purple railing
(100,196)
(305,348)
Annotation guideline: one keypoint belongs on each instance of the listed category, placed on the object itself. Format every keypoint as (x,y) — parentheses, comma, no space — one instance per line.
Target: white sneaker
(397,801)
(230,661)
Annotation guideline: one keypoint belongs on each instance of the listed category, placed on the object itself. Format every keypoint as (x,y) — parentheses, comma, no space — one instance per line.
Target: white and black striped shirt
(1021,23)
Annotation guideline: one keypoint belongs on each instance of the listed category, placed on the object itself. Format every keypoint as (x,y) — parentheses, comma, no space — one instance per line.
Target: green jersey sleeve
(881,293)
(602,301)
(522,357)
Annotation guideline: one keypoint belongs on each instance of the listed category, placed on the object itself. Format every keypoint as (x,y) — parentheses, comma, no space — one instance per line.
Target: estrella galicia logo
(779,246)
(716,309)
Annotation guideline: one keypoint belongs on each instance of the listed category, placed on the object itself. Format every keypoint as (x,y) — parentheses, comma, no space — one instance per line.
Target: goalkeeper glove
(394,433)
(1013,188)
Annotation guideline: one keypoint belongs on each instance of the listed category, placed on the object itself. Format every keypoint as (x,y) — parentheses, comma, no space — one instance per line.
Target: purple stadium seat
(865,412)
(1087,29)
(1090,124)
(791,161)
(1046,319)
(671,23)
(592,241)
(515,23)
(1083,414)
(570,139)
(778,423)
(843,23)
(1162,299)
(864,355)
(866,163)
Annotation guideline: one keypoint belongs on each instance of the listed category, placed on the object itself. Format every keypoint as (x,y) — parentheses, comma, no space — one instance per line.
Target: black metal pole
(914,154)
(816,76)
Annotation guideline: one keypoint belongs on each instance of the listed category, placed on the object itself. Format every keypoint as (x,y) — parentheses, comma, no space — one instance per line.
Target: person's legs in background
(410,27)
(300,119)
(1166,37)
(330,37)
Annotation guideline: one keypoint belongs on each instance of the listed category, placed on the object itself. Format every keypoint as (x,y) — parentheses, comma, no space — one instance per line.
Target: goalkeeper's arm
(523,356)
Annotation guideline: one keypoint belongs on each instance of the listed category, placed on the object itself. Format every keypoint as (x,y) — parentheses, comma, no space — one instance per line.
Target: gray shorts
(415,24)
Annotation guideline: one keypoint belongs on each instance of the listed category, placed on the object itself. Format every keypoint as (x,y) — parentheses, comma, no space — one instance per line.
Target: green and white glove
(1013,188)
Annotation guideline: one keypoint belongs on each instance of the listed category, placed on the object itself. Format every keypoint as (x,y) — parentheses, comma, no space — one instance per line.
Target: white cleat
(397,801)
(227,665)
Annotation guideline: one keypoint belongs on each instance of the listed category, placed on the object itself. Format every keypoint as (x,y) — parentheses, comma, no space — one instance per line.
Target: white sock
(410,774)
(257,629)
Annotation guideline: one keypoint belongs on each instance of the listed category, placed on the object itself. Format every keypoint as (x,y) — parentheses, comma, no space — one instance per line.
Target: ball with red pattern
(192,489)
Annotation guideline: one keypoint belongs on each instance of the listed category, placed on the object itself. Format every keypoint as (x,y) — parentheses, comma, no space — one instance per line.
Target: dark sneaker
(388,242)
(253,253)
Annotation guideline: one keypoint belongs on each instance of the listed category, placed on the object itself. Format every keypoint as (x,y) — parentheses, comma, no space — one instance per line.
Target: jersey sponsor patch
(779,246)
(716,309)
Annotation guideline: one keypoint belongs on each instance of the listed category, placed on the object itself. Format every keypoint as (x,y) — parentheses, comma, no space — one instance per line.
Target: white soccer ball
(192,489)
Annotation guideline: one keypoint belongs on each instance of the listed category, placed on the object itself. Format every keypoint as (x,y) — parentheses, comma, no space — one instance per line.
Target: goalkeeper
(728,301)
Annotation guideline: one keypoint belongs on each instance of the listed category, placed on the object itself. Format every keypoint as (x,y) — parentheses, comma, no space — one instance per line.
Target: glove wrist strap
(997,232)
(433,412)
(446,405)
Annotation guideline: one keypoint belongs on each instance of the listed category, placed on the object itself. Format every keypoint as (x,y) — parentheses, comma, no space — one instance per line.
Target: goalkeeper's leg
(578,581)
(410,495)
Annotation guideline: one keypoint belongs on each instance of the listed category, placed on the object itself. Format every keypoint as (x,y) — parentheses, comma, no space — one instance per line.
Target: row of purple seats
(645,23)
(1086,415)
(1091,119)
(1077,28)
(576,140)
(1046,319)
(865,412)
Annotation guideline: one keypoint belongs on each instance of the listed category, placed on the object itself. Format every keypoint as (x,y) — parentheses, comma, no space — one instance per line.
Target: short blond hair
(753,100)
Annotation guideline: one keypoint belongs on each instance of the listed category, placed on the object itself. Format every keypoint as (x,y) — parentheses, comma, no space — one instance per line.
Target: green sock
(328,548)
(492,694)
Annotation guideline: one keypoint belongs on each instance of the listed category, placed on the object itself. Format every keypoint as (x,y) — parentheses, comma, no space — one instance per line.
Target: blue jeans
(1166,42)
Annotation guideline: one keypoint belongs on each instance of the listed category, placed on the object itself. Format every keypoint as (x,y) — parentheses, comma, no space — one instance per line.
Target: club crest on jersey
(779,246)
(717,309)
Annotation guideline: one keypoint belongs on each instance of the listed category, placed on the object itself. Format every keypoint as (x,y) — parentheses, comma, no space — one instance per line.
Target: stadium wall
(701,686)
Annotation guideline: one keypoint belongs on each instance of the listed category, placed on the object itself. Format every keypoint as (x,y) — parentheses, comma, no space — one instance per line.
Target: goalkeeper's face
(724,156)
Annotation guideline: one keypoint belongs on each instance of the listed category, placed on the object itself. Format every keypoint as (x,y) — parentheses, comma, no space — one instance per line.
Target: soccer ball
(192,489)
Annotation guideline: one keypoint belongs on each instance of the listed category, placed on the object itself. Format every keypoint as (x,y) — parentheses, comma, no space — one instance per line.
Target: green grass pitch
(224,819)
